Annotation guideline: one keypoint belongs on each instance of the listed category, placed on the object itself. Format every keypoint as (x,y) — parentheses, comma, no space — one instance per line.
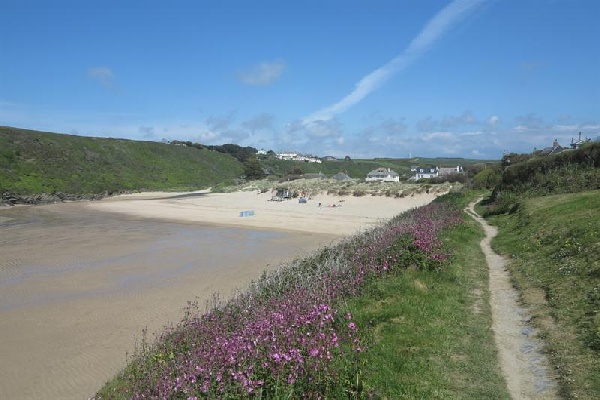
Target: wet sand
(80,281)
(77,287)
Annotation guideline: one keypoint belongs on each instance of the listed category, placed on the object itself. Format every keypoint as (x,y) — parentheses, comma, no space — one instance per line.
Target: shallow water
(77,287)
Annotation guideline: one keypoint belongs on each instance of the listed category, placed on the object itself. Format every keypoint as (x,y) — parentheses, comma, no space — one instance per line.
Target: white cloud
(104,75)
(521,128)
(529,122)
(590,126)
(471,134)
(432,31)
(262,74)
(439,136)
(493,121)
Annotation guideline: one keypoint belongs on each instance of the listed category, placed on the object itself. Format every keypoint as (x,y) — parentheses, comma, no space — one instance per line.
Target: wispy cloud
(263,121)
(433,30)
(104,75)
(493,121)
(262,74)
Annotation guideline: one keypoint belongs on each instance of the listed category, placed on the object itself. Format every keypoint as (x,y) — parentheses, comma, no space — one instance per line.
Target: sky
(358,78)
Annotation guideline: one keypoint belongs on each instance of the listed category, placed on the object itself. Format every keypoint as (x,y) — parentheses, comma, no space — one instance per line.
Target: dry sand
(337,215)
(76,291)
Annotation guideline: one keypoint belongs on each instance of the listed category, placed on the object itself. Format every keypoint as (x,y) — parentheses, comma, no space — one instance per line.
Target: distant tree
(487,179)
(296,171)
(239,152)
(347,158)
(253,169)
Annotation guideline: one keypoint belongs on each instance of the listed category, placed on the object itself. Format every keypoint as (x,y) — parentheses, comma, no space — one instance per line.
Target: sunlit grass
(554,248)
(430,330)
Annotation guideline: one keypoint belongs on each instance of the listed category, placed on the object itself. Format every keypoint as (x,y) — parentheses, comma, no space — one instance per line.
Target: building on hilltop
(382,175)
(554,149)
(575,144)
(293,156)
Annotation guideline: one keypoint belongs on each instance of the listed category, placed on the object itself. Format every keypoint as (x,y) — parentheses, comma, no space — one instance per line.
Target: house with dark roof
(555,149)
(340,176)
(425,172)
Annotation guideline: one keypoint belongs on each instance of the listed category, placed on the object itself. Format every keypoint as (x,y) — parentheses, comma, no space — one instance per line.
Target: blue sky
(377,78)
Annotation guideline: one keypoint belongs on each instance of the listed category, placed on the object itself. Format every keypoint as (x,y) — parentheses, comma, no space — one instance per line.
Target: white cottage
(382,175)
(426,172)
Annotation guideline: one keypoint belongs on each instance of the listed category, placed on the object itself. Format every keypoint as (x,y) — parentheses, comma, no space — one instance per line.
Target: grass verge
(430,331)
(553,245)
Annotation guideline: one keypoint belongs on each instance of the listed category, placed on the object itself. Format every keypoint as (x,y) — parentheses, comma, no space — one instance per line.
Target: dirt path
(520,352)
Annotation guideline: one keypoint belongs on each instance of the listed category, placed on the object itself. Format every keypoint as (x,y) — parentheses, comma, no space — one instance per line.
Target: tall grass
(291,334)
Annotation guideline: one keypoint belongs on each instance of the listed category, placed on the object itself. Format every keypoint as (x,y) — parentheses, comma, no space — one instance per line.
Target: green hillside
(33,162)
(571,171)
(359,168)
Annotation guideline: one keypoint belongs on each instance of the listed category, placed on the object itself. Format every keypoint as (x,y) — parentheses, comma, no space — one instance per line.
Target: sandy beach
(80,281)
(336,215)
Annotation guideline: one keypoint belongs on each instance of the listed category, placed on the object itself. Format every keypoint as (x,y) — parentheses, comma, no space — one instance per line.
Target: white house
(425,172)
(382,175)
(292,156)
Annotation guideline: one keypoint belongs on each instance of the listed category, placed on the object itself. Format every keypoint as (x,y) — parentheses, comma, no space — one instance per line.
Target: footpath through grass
(430,331)
(400,311)
(554,246)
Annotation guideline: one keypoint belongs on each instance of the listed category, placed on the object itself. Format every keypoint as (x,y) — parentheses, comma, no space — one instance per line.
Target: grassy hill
(34,162)
(533,176)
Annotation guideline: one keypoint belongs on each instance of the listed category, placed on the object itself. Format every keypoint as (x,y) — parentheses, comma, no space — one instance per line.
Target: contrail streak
(433,30)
